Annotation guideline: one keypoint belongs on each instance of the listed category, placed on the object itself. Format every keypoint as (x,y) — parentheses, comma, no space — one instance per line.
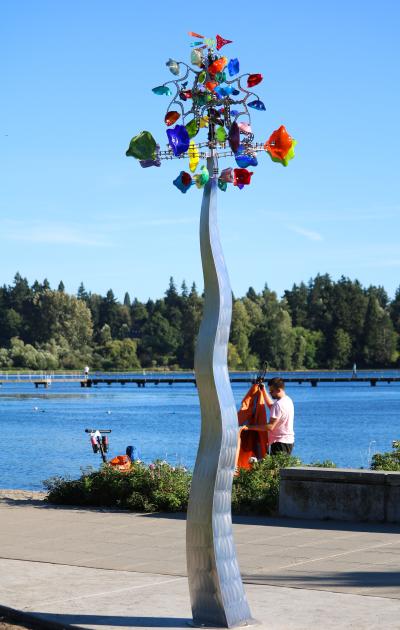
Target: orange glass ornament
(210,85)
(279,143)
(218,65)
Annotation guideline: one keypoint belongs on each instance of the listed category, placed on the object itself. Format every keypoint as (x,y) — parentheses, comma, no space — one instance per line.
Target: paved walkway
(100,569)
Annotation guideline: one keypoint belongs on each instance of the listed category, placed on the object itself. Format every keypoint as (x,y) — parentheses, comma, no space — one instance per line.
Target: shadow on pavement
(366,579)
(114,620)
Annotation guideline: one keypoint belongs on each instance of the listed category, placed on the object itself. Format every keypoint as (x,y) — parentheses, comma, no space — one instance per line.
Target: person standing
(281,424)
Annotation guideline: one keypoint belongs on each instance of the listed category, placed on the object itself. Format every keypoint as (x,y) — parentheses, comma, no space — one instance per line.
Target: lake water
(42,431)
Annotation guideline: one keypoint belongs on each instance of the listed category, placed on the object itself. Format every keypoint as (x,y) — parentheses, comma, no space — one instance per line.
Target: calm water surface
(42,432)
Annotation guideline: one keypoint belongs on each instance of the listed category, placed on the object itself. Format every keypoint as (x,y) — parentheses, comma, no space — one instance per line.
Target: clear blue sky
(76,79)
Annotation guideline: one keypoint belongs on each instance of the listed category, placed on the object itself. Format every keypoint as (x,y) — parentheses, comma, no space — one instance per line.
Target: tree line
(321,324)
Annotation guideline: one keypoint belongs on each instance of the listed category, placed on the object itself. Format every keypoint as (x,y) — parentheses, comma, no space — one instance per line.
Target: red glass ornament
(254,79)
(186,178)
(222,42)
(171,118)
(210,85)
(186,94)
(241,177)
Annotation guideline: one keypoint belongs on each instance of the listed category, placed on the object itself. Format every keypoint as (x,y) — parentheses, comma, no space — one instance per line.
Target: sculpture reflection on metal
(215,584)
(217,103)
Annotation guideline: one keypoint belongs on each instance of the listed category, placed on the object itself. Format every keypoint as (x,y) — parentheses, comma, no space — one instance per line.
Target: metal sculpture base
(216,589)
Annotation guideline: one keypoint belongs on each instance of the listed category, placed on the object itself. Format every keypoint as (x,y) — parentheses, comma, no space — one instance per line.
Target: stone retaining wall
(343,494)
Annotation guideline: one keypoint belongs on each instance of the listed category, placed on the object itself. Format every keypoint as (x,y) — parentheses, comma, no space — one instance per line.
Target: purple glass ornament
(234,137)
(178,139)
(227,175)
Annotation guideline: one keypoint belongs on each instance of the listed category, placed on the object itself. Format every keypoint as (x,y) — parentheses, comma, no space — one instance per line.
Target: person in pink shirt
(280,426)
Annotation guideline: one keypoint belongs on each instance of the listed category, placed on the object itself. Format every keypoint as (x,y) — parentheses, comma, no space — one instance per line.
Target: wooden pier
(46,380)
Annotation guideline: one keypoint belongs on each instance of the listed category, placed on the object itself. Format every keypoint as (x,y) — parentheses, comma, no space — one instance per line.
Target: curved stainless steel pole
(216,589)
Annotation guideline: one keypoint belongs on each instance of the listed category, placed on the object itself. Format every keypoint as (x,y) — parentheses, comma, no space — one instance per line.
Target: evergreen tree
(127,300)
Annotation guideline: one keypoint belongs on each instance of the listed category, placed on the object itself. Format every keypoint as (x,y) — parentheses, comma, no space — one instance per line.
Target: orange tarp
(252,411)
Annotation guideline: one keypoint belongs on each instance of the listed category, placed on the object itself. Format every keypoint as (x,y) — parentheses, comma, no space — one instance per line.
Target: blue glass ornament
(178,139)
(235,92)
(183,182)
(234,112)
(243,159)
(257,105)
(162,89)
(223,90)
(233,67)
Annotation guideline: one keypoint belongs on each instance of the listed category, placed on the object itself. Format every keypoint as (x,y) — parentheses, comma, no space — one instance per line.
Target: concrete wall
(343,494)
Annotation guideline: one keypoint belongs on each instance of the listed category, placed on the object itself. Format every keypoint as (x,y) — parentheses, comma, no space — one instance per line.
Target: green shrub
(256,491)
(158,487)
(387,461)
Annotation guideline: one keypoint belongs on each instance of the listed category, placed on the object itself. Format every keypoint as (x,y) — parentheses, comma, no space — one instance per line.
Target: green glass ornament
(220,134)
(202,77)
(142,146)
(192,128)
(220,77)
(222,185)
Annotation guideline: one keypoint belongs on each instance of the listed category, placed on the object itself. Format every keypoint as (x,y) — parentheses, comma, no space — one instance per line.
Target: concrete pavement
(101,569)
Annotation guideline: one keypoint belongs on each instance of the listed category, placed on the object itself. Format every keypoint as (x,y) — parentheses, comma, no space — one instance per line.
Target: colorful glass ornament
(217,66)
(203,122)
(257,105)
(244,128)
(183,182)
(173,66)
(220,77)
(210,85)
(222,42)
(227,175)
(194,156)
(233,67)
(147,163)
(220,134)
(162,89)
(171,118)
(185,94)
(234,137)
(245,159)
(254,79)
(196,57)
(142,147)
(202,77)
(192,128)
(280,146)
(241,177)
(224,90)
(195,35)
(178,139)
(202,178)
(222,185)
(210,43)
(196,44)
